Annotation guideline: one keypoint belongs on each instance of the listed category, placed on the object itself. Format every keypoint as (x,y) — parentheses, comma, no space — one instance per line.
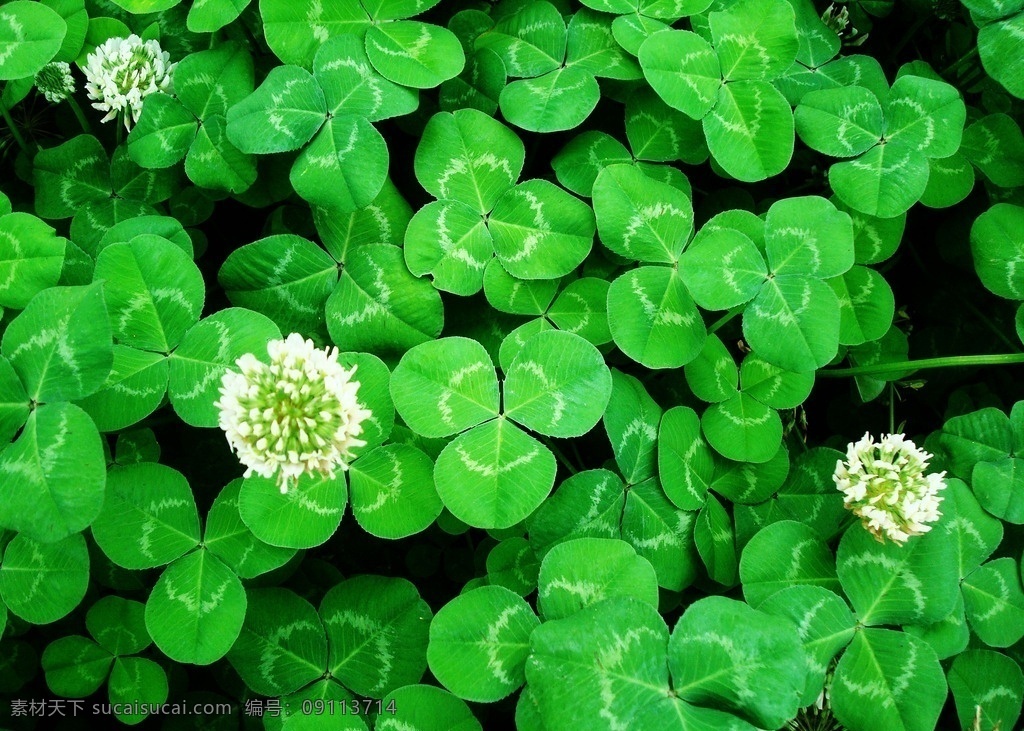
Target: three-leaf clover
(726,83)
(76,666)
(406,52)
(471,163)
(891,139)
(344,160)
(493,474)
(555,64)
(793,316)
(193,124)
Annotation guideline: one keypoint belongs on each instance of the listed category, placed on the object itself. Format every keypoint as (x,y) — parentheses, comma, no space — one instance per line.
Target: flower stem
(892,407)
(15,132)
(79,115)
(952,361)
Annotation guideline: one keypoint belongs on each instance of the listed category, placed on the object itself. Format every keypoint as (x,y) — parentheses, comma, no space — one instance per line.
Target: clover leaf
(472,162)
(891,138)
(726,83)
(406,52)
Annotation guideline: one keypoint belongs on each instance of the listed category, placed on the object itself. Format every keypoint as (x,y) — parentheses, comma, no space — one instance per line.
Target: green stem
(952,361)
(960,61)
(15,132)
(79,115)
(559,455)
(720,322)
(922,19)
(971,78)
(966,304)
(576,454)
(892,407)
(988,323)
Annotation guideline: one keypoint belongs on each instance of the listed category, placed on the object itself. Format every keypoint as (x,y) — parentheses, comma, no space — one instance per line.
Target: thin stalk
(892,407)
(972,78)
(988,323)
(79,115)
(720,322)
(952,361)
(15,132)
(960,61)
(576,454)
(559,455)
(966,304)
(921,20)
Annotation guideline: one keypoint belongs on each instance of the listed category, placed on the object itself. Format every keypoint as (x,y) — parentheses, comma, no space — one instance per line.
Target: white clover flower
(885,485)
(295,416)
(54,82)
(122,72)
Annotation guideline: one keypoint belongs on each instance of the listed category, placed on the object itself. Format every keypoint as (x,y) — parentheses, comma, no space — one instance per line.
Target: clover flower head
(54,81)
(294,416)
(838,21)
(836,18)
(885,484)
(122,72)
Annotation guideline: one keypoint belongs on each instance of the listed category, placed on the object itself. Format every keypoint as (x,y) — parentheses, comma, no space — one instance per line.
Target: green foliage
(724,81)
(42,582)
(55,474)
(878,663)
(996,246)
(892,138)
(31,34)
(783,555)
(745,647)
(210,346)
(149,517)
(196,610)
(584,571)
(593,295)
(282,646)
(301,518)
(33,257)
(369,618)
(887,585)
(479,643)
(976,673)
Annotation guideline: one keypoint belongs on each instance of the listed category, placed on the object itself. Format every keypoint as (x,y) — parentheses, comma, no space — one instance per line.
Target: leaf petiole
(559,455)
(15,132)
(951,361)
(721,322)
(960,61)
